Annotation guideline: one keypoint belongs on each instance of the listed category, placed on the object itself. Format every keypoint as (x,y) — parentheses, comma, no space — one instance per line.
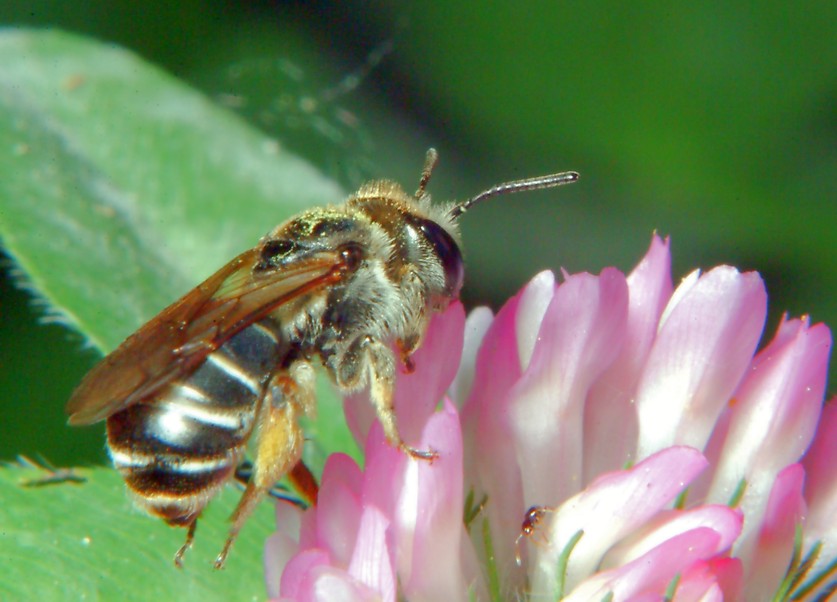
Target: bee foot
(190,537)
(408,363)
(221,559)
(178,557)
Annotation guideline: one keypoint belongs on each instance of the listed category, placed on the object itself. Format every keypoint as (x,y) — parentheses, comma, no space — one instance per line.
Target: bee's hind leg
(369,354)
(289,395)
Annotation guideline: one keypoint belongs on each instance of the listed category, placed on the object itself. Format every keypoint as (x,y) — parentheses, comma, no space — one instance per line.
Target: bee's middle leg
(190,537)
(367,356)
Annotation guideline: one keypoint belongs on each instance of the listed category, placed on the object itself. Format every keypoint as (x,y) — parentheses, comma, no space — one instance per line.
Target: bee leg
(304,482)
(278,450)
(377,358)
(430,161)
(406,348)
(244,472)
(190,537)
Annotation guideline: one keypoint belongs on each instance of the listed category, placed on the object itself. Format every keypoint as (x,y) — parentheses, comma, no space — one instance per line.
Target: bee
(337,286)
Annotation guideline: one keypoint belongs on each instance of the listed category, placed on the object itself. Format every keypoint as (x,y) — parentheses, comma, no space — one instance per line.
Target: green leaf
(71,541)
(122,188)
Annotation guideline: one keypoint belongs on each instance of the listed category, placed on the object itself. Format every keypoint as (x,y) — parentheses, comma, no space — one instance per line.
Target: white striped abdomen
(176,449)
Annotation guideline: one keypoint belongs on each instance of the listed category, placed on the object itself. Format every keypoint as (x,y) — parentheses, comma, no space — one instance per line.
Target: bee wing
(179,338)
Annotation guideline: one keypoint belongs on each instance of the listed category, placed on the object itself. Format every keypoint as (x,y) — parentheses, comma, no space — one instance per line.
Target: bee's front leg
(368,357)
(406,348)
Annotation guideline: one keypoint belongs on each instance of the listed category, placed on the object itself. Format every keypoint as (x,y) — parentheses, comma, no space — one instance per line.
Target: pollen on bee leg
(279,449)
(301,387)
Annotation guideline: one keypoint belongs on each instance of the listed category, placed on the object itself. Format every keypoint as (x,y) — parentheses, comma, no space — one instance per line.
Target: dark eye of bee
(447,251)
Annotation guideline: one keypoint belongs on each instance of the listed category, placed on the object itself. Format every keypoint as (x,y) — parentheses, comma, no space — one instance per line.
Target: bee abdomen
(172,461)
(174,489)
(176,449)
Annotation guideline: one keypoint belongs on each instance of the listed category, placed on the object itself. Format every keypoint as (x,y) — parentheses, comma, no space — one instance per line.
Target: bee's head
(400,236)
(430,245)
(440,233)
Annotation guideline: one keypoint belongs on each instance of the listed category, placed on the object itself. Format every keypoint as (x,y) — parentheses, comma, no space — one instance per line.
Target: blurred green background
(712,123)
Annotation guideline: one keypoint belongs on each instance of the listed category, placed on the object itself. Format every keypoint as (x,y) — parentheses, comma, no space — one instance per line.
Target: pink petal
(699,584)
(707,337)
(729,574)
(360,414)
(329,584)
(610,419)
(581,334)
(498,361)
(281,546)
(476,325)
(333,523)
(713,451)
(435,551)
(821,487)
(341,468)
(710,580)
(308,530)
(725,521)
(338,521)
(647,598)
(779,401)
(372,562)
(610,508)
(416,394)
(278,551)
(491,467)
(769,558)
(653,572)
(296,575)
(534,301)
(383,478)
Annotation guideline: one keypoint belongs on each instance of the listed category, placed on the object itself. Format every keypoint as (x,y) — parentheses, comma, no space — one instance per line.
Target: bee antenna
(430,161)
(537,183)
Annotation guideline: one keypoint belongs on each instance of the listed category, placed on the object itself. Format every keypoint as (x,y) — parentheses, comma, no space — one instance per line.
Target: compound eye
(448,253)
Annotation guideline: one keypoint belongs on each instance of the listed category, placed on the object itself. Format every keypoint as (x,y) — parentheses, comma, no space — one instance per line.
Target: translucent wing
(179,338)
